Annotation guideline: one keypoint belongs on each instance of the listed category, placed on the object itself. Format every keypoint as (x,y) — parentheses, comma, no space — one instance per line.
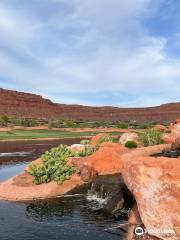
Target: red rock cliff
(26,105)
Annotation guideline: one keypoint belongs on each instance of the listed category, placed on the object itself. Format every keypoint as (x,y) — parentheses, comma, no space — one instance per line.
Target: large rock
(168,138)
(178,121)
(176,130)
(21,188)
(174,133)
(160,128)
(135,222)
(128,137)
(155,184)
(176,144)
(87,172)
(77,147)
(107,160)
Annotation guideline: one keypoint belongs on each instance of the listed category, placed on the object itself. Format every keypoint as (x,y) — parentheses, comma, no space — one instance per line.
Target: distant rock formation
(26,105)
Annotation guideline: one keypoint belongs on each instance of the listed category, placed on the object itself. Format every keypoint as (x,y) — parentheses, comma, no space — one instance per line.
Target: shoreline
(43,139)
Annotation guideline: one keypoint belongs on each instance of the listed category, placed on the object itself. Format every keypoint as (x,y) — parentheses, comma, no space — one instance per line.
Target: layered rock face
(155,184)
(25,105)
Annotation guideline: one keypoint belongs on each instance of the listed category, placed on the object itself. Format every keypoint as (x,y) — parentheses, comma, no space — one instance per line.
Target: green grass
(35,134)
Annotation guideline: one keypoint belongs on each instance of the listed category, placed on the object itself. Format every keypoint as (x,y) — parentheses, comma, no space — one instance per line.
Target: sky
(92,52)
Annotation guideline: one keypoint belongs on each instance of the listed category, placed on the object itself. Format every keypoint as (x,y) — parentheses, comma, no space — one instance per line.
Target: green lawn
(35,134)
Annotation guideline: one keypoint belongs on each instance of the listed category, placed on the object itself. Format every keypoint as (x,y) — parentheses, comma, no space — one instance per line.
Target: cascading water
(97,195)
(106,193)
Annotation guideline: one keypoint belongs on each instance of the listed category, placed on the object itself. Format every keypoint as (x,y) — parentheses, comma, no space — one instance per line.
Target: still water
(68,218)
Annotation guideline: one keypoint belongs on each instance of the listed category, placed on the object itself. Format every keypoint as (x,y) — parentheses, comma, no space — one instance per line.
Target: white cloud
(98,46)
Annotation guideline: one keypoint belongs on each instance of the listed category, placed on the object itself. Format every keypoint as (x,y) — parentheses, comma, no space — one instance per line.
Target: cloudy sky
(92,52)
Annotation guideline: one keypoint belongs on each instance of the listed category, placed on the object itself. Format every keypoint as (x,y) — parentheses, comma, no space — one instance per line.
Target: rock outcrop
(176,144)
(129,137)
(25,105)
(21,188)
(155,184)
(174,133)
(96,139)
(106,160)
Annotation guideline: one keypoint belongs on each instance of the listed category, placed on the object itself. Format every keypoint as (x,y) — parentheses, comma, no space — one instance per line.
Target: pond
(67,218)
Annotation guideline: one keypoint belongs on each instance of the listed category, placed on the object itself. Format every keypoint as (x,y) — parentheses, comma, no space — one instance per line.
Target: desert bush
(105,139)
(56,124)
(87,151)
(4,121)
(54,166)
(71,124)
(29,123)
(151,137)
(131,144)
(5,118)
(85,142)
(123,125)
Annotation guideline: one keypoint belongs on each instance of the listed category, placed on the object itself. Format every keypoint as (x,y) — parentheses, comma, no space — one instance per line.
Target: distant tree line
(6,121)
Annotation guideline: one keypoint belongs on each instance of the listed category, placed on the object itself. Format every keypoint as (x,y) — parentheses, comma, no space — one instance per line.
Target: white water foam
(95,198)
(15,154)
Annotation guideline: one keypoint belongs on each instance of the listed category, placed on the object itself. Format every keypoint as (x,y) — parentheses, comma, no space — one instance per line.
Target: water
(66,218)
(15,155)
(169,154)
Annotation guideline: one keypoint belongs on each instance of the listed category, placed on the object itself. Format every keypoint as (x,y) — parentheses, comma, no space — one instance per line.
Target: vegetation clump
(85,142)
(54,166)
(151,137)
(131,144)
(105,139)
(87,151)
(123,125)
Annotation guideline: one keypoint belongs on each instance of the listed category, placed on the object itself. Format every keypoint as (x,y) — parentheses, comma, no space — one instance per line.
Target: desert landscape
(90,120)
(121,166)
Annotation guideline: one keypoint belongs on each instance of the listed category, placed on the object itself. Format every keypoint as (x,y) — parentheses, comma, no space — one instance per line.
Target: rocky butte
(26,105)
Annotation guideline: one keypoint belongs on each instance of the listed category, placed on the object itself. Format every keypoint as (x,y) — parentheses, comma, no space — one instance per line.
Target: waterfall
(105,192)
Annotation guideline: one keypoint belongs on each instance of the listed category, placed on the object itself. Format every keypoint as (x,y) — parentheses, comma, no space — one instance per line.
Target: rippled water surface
(69,218)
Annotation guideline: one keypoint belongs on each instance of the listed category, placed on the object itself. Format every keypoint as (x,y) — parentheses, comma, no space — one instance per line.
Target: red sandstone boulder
(175,133)
(77,147)
(160,128)
(21,188)
(128,137)
(178,121)
(176,130)
(168,138)
(95,140)
(87,172)
(155,184)
(134,222)
(176,144)
(107,159)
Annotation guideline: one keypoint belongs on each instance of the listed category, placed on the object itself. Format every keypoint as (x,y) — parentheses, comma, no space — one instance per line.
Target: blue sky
(105,52)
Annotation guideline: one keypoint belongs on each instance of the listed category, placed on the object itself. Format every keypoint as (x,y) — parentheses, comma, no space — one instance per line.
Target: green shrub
(88,150)
(5,118)
(105,139)
(56,124)
(29,123)
(151,137)
(131,144)
(85,142)
(71,124)
(54,166)
(122,125)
